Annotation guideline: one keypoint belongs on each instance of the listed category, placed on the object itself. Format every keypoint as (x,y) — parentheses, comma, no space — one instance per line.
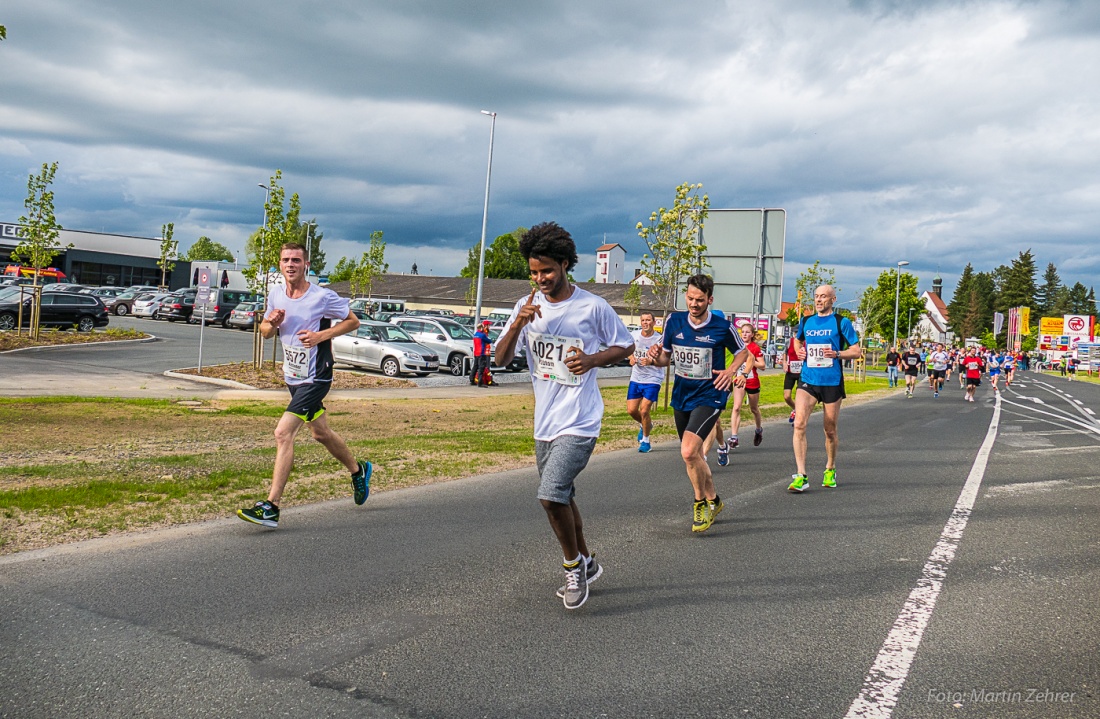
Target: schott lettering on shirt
(819,333)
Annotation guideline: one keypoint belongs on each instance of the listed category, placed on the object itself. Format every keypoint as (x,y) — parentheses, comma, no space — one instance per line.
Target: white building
(610,263)
(934,322)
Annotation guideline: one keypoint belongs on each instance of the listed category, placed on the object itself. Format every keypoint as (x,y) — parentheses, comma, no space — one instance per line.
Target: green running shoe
(829,479)
(799,483)
(360,482)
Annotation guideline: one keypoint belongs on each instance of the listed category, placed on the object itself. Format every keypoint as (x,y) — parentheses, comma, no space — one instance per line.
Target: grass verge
(73,468)
(48,337)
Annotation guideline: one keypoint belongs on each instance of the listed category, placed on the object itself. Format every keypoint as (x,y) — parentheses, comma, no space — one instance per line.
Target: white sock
(580,558)
(645,437)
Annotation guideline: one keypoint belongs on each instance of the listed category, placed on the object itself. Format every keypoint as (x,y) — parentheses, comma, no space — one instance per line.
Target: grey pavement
(439,601)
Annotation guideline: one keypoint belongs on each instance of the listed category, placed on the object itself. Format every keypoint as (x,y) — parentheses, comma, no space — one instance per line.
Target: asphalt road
(439,601)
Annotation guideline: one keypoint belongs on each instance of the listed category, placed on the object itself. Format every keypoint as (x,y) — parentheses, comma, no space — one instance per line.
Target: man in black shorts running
(302,314)
(910,367)
(696,342)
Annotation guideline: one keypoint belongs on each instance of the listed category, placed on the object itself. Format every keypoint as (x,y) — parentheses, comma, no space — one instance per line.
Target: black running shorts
(699,421)
(790,380)
(306,400)
(823,394)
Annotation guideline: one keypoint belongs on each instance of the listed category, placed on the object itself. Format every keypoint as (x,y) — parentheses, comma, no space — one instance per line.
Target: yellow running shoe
(799,483)
(830,478)
(701,516)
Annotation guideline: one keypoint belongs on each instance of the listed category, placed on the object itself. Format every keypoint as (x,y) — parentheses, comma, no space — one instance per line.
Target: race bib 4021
(549,353)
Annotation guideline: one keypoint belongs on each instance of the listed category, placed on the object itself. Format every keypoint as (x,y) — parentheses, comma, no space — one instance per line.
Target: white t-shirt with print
(567,403)
(645,374)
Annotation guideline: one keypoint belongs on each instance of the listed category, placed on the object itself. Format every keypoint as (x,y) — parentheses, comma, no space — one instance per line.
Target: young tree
(673,239)
(370,266)
(39,244)
(168,248)
(503,260)
(205,249)
(807,281)
(633,299)
(282,226)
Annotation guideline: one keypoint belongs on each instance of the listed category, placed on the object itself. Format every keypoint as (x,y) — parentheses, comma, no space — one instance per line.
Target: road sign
(204,296)
(204,277)
(745,252)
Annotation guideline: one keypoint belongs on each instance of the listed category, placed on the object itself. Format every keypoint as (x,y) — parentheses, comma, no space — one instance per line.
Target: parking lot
(177,347)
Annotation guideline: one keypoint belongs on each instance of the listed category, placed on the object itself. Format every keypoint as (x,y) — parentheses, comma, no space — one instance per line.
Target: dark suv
(222,303)
(179,308)
(59,309)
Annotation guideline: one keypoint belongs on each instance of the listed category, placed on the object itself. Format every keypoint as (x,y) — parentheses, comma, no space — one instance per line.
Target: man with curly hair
(563,327)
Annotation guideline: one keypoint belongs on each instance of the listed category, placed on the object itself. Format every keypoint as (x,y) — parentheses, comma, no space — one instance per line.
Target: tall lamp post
(909,330)
(484,218)
(257,338)
(311,227)
(897,297)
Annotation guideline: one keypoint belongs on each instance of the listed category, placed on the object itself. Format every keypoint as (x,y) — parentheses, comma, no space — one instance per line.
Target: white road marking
(884,681)
(1079,403)
(1090,411)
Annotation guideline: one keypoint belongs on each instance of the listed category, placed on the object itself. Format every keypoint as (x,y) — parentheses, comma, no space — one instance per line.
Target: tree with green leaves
(876,304)
(1016,283)
(207,250)
(807,281)
(168,252)
(40,242)
(633,299)
(3,33)
(1047,293)
(362,273)
(960,301)
(503,260)
(674,240)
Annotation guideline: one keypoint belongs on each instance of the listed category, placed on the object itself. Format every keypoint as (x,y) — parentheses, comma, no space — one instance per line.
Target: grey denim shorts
(560,461)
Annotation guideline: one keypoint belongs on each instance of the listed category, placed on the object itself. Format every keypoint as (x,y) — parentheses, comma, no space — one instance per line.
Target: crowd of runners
(568,332)
(939,362)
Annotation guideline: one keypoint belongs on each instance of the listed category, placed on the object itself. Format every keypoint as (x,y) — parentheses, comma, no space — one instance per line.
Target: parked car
(451,341)
(122,304)
(149,304)
(519,359)
(59,309)
(104,293)
(244,315)
(385,347)
(66,287)
(180,308)
(143,288)
(222,303)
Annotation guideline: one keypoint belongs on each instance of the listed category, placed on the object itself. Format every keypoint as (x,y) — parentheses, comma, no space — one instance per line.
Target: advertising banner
(1051,325)
(763,327)
(1025,320)
(1078,326)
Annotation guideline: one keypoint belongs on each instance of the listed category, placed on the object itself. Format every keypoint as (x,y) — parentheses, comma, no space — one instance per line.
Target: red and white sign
(1078,326)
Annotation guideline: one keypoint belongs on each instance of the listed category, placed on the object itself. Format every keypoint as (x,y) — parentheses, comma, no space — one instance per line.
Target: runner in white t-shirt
(302,315)
(645,379)
(563,327)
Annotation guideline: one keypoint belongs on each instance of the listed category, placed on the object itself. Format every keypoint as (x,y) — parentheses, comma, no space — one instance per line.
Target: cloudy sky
(935,132)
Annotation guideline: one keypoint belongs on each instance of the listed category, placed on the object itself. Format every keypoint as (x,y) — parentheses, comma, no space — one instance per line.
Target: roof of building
(428,289)
(938,303)
(611,246)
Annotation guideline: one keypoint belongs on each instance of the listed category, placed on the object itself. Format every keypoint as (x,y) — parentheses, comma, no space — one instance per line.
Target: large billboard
(745,256)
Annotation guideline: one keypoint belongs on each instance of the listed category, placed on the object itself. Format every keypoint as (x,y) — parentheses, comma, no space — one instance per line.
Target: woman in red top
(751,389)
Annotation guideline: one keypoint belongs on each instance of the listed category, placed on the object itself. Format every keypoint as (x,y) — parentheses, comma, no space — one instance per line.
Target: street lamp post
(257,341)
(484,218)
(310,228)
(897,297)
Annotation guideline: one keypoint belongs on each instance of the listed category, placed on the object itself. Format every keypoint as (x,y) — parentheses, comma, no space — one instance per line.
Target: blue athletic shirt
(689,347)
(816,331)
